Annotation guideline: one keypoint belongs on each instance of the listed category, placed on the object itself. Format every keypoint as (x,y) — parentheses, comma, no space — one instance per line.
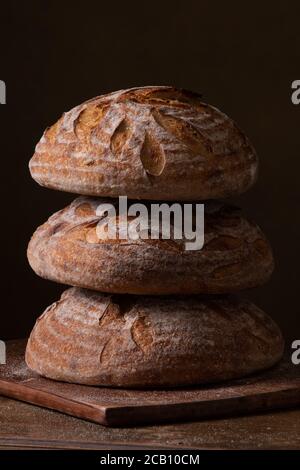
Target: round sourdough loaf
(66,249)
(127,341)
(154,142)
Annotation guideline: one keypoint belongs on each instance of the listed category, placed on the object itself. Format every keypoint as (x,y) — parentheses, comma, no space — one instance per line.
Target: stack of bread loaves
(144,312)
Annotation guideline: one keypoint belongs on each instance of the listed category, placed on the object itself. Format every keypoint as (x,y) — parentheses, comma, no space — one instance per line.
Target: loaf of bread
(67,249)
(154,142)
(128,341)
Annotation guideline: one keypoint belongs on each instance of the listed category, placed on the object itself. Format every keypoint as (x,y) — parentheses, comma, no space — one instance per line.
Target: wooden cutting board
(279,387)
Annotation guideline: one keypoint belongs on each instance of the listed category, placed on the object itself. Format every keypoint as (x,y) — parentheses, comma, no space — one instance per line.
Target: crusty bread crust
(154,142)
(66,249)
(128,341)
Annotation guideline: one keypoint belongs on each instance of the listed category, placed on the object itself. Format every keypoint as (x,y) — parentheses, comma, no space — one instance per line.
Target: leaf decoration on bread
(155,143)
(152,156)
(120,137)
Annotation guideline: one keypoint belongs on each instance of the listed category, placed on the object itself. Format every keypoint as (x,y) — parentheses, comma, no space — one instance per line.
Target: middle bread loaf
(236,255)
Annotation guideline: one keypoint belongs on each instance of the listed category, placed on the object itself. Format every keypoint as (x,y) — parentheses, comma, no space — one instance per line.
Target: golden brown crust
(128,341)
(66,249)
(146,143)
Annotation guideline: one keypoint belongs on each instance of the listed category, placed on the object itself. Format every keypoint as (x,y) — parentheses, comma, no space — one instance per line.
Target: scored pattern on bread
(236,255)
(149,143)
(130,341)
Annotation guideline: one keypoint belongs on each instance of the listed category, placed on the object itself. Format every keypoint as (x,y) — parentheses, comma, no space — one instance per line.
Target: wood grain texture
(31,427)
(133,341)
(277,388)
(149,143)
(34,427)
(67,249)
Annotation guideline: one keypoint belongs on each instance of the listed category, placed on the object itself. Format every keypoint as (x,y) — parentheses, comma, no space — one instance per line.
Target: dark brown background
(242,58)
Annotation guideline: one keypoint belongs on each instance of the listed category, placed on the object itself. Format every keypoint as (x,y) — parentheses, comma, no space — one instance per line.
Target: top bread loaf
(154,142)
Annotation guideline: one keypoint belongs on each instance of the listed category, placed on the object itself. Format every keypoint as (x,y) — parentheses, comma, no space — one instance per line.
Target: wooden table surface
(26,426)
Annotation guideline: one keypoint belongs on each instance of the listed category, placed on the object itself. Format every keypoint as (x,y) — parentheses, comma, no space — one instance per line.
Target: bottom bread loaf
(128,341)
